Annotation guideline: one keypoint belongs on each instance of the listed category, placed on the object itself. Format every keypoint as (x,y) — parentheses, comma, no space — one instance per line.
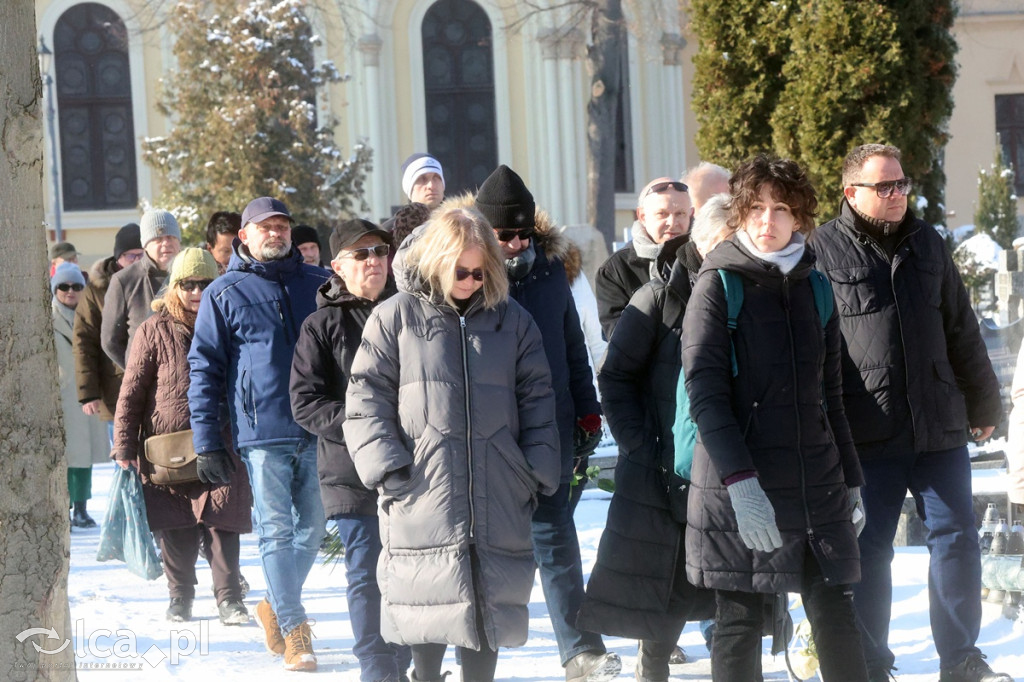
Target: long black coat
(321,366)
(638,586)
(911,338)
(782,416)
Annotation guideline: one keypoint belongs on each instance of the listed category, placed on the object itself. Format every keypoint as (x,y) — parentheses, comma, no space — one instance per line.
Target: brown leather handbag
(172,461)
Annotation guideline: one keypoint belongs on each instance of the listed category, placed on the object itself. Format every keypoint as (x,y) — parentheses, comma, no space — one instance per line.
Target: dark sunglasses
(462,273)
(885,189)
(65,287)
(662,186)
(193,284)
(508,235)
(380,251)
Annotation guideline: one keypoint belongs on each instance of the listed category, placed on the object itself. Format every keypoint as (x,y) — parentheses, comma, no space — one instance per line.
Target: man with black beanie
(537,281)
(97,377)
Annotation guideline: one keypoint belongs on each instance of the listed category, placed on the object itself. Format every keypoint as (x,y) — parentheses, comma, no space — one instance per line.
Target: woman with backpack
(774,504)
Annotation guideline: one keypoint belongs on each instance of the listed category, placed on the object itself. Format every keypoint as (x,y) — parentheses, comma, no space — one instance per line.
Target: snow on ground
(119,617)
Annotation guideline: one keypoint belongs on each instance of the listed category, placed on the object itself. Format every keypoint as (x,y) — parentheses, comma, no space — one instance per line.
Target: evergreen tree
(826,76)
(844,61)
(996,212)
(742,48)
(243,108)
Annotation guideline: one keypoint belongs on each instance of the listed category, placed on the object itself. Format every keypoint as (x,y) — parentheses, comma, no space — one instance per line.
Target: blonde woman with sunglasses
(450,416)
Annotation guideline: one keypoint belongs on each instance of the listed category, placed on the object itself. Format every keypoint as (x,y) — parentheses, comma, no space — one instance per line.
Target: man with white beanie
(423,180)
(126,304)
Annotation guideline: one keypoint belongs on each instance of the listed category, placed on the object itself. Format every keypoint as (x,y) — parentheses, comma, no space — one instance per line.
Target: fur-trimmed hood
(102,270)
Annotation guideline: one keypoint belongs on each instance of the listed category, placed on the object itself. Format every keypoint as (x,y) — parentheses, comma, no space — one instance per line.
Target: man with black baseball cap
(241,353)
(320,369)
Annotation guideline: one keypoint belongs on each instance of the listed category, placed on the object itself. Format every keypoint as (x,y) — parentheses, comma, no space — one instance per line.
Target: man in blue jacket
(241,355)
(537,281)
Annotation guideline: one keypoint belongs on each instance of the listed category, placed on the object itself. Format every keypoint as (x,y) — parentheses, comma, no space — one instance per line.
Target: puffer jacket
(96,375)
(781,416)
(911,338)
(452,419)
(126,305)
(321,365)
(246,331)
(153,402)
(616,281)
(85,437)
(638,587)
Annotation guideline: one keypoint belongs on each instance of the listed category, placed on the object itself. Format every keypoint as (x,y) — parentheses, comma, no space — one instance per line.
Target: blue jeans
(288,517)
(556,550)
(378,660)
(941,485)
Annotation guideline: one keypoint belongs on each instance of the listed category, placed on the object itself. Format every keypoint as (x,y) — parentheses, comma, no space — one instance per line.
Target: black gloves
(215,466)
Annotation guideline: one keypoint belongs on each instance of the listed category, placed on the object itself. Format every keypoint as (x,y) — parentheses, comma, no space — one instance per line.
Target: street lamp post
(45,59)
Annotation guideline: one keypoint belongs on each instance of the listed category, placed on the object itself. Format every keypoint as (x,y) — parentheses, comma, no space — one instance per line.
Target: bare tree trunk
(34,531)
(604,66)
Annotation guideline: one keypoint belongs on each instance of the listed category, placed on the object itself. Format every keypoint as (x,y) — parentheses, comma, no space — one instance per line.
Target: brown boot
(267,619)
(298,649)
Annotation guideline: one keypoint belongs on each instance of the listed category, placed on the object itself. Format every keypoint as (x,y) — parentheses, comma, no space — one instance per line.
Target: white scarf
(785,259)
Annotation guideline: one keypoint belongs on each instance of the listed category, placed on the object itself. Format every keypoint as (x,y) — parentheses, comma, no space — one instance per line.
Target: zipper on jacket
(906,367)
(786,292)
(469,426)
(284,322)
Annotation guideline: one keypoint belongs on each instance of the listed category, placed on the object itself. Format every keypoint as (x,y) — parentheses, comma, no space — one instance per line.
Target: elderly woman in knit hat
(154,401)
(85,438)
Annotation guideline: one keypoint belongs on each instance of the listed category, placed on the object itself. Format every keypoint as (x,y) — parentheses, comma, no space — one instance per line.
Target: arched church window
(94,98)
(458,76)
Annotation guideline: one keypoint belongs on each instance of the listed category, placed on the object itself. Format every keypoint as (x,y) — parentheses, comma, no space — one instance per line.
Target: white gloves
(755,516)
(857,510)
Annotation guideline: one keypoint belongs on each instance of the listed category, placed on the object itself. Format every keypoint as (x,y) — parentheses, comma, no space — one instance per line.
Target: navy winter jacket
(544,292)
(246,331)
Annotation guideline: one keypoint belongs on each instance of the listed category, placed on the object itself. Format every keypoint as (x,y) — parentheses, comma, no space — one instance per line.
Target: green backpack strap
(733,284)
(823,299)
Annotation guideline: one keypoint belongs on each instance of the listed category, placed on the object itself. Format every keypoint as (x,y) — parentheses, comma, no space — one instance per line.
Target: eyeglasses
(885,189)
(66,287)
(191,285)
(660,187)
(131,257)
(508,235)
(462,273)
(380,251)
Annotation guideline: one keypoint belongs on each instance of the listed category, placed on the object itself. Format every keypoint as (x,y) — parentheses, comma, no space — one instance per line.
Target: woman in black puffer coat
(638,586)
(775,480)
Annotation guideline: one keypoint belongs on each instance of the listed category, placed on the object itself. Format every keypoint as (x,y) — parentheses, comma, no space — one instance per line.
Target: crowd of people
(432,387)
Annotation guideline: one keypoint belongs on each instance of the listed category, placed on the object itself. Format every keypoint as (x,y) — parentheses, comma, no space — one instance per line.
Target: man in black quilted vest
(917,382)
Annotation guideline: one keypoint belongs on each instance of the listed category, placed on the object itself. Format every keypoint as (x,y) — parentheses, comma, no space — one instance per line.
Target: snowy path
(106,598)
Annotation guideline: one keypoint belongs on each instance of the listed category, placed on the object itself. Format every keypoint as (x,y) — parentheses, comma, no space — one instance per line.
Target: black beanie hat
(505,201)
(304,234)
(127,239)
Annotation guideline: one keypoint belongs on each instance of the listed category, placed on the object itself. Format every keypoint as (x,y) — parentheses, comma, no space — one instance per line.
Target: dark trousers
(477,666)
(378,660)
(941,485)
(180,549)
(736,653)
(556,549)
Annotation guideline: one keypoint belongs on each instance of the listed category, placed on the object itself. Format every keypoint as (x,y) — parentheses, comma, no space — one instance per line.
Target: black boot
(79,517)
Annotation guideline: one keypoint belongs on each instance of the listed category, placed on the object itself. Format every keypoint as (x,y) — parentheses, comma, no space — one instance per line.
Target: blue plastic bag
(125,535)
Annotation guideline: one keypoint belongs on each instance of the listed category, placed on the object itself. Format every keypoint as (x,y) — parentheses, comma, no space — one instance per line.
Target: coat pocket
(510,494)
(950,405)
